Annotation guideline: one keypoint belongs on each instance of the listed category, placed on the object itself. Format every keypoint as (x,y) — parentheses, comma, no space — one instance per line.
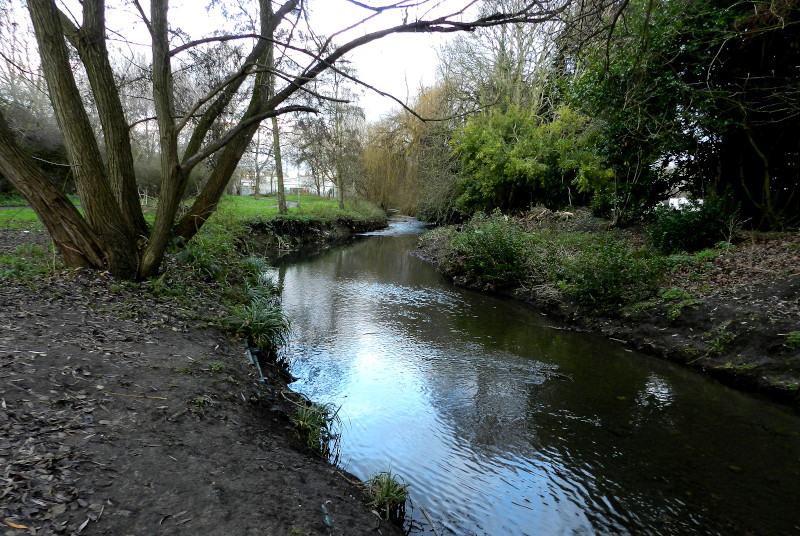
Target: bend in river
(504,424)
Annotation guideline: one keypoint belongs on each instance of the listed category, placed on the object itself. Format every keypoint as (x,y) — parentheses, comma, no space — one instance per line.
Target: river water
(504,424)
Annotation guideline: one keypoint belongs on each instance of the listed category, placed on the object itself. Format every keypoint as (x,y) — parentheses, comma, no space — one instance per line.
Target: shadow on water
(455,391)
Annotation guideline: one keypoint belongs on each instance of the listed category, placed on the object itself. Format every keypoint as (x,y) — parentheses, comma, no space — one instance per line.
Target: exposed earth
(121,415)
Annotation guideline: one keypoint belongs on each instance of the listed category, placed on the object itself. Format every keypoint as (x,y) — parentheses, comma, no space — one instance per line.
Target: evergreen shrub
(692,228)
(489,251)
(608,273)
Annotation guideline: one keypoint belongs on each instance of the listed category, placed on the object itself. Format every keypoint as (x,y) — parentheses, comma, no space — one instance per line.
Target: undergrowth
(387,494)
(599,270)
(318,424)
(488,251)
(27,262)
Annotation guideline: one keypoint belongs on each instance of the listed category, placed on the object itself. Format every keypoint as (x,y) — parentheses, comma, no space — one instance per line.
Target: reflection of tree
(606,446)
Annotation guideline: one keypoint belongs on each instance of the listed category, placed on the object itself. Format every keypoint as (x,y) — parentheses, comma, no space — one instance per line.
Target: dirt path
(120,416)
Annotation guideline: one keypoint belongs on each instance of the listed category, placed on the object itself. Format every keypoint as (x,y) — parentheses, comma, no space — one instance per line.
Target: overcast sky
(396,64)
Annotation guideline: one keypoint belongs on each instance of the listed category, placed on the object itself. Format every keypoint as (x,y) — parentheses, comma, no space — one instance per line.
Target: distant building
(294,181)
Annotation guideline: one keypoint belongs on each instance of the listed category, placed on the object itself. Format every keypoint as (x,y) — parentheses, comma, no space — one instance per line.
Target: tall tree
(696,94)
(112,233)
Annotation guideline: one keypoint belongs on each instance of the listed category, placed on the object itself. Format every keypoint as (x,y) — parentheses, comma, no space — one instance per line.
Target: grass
(262,323)
(20,218)
(29,261)
(239,208)
(211,264)
(310,207)
(387,495)
(318,424)
(793,340)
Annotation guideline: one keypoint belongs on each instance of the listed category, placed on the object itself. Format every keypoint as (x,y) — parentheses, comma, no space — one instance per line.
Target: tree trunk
(276,150)
(103,214)
(90,43)
(173,178)
(70,233)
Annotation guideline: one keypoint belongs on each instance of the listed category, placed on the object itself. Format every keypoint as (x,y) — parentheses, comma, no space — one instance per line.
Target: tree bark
(90,43)
(276,150)
(173,178)
(70,233)
(103,214)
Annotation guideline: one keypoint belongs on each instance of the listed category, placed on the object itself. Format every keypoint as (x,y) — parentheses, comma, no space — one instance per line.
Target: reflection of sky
(450,390)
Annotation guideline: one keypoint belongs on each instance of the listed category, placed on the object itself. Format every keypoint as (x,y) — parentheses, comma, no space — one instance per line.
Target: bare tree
(112,232)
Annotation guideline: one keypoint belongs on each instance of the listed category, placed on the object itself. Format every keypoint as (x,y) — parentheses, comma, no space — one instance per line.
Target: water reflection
(452,390)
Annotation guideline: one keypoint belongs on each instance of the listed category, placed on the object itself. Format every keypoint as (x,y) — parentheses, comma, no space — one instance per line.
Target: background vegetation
(617,109)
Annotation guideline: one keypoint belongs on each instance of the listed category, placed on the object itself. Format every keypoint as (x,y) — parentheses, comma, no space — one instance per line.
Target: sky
(396,64)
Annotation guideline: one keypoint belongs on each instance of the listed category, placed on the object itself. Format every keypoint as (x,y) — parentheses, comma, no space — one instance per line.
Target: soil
(122,414)
(731,320)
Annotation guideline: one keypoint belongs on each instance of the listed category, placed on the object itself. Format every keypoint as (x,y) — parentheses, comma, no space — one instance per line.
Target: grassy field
(241,208)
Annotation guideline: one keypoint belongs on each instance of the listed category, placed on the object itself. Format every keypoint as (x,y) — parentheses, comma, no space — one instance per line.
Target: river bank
(125,411)
(733,314)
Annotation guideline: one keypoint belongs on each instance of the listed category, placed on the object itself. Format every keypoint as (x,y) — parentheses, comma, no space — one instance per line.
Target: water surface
(504,424)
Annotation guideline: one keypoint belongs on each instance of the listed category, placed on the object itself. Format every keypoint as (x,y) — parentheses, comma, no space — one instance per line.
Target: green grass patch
(30,261)
(317,424)
(20,218)
(12,199)
(387,495)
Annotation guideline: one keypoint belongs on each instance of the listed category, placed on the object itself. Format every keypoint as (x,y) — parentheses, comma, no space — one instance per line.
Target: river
(505,424)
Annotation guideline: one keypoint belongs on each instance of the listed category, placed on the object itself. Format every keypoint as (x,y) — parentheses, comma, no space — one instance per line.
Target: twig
(136,396)
(429,520)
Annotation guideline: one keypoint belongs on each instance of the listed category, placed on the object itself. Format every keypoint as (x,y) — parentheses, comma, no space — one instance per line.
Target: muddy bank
(730,316)
(280,236)
(125,412)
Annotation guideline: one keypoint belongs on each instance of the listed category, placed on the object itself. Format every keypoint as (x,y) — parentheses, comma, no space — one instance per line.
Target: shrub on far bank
(607,273)
(693,227)
(600,270)
(489,251)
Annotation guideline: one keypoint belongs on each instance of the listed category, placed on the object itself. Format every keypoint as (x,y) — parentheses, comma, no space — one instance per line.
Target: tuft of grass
(388,494)
(739,367)
(318,424)
(793,340)
(29,261)
(262,323)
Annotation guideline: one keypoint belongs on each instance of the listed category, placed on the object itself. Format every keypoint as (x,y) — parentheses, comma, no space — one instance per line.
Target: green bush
(692,228)
(608,272)
(489,251)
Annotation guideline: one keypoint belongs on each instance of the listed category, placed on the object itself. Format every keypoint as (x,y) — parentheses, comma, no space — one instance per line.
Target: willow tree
(112,233)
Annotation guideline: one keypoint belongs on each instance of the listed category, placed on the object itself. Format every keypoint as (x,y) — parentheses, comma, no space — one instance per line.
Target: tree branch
(243,125)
